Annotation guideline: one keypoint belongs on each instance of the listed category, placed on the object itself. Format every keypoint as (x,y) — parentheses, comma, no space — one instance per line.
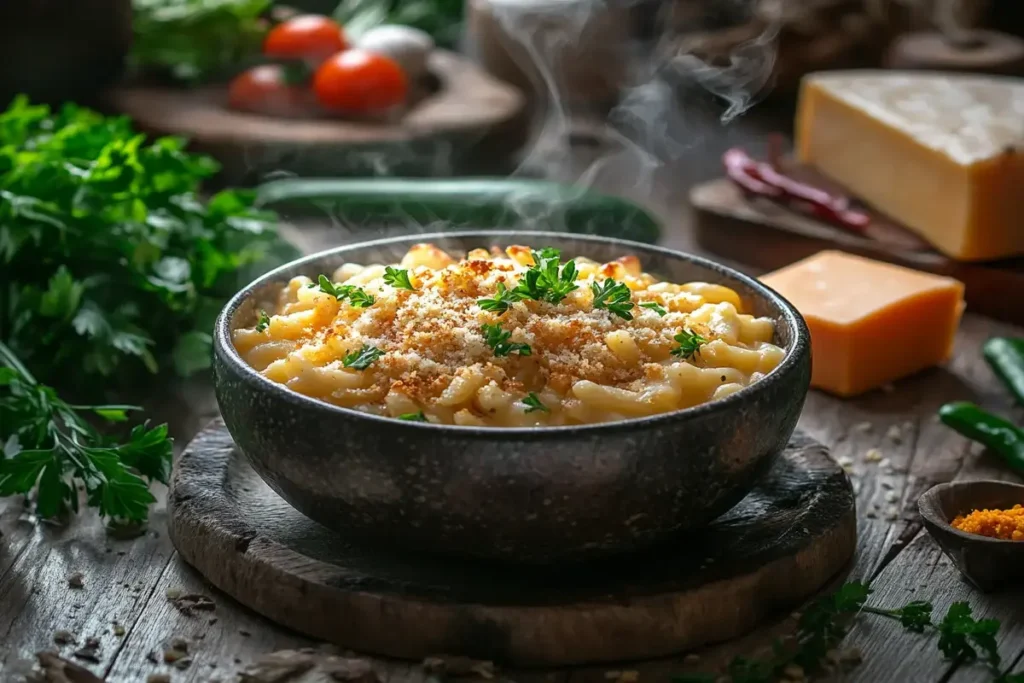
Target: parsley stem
(10,360)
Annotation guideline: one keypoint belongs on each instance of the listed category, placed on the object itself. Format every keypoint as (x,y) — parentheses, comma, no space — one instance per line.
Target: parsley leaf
(361,359)
(533,402)
(915,616)
(263,322)
(398,278)
(357,297)
(51,448)
(497,339)
(546,280)
(413,417)
(502,301)
(654,306)
(689,344)
(613,296)
(961,636)
(324,284)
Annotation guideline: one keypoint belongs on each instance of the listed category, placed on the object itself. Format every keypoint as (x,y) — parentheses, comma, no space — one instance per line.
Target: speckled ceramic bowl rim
(928,513)
(790,316)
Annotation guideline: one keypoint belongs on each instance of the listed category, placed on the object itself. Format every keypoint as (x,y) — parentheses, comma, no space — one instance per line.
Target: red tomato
(360,81)
(265,90)
(307,36)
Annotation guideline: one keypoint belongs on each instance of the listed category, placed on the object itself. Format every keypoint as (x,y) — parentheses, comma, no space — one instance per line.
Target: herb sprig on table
(48,446)
(812,649)
(110,262)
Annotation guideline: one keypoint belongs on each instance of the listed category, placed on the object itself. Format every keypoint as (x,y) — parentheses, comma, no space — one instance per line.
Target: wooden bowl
(525,495)
(988,563)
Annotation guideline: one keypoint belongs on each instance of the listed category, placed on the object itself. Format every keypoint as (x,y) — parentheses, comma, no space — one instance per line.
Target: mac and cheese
(496,339)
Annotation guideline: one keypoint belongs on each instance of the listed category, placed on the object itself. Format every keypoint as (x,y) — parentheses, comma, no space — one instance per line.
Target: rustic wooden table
(123,601)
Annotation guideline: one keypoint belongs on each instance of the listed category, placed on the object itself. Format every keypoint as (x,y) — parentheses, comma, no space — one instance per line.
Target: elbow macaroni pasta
(584,364)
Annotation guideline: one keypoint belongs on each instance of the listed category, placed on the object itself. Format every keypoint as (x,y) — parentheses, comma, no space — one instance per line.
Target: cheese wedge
(942,154)
(871,322)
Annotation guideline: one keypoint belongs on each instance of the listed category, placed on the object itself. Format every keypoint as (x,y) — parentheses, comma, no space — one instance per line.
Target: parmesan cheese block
(871,322)
(941,153)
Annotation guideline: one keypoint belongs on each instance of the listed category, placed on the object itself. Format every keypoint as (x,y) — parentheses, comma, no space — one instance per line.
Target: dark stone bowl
(532,495)
(991,564)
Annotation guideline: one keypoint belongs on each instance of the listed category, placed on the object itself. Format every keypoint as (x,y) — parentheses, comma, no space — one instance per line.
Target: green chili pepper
(991,431)
(445,204)
(1006,357)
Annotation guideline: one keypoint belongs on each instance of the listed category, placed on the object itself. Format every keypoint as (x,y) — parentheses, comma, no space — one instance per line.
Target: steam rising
(650,125)
(656,81)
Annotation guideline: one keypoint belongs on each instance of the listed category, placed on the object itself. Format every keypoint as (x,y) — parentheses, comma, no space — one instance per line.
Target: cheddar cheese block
(871,322)
(941,153)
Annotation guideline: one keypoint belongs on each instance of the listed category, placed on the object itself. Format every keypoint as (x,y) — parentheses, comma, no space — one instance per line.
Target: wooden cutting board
(466,118)
(767,235)
(793,533)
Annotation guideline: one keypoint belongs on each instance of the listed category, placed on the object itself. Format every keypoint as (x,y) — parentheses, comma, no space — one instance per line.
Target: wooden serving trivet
(782,543)
(766,235)
(469,112)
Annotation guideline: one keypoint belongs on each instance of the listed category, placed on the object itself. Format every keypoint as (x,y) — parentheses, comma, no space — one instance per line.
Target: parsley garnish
(48,445)
(545,281)
(497,339)
(398,278)
(962,638)
(503,299)
(533,401)
(359,298)
(356,296)
(413,417)
(361,359)
(613,296)
(689,344)
(654,306)
(263,322)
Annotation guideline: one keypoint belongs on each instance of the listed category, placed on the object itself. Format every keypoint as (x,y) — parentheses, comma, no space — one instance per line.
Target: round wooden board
(469,107)
(782,543)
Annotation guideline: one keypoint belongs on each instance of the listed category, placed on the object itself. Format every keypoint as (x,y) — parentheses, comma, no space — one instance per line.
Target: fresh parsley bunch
(110,262)
(49,446)
(194,39)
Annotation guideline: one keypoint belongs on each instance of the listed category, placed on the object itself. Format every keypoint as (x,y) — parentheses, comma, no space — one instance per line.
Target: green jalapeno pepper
(991,431)
(1006,358)
(457,203)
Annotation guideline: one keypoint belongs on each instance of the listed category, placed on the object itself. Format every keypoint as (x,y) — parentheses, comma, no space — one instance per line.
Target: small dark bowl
(516,494)
(988,563)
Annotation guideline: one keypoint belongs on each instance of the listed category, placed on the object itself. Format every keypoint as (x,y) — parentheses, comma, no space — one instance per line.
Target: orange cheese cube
(871,322)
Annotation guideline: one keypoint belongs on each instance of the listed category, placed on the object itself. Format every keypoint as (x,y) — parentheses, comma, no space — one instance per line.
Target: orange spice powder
(1005,524)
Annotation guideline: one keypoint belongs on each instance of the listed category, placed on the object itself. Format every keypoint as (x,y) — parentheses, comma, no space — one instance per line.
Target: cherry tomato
(266,89)
(360,81)
(308,36)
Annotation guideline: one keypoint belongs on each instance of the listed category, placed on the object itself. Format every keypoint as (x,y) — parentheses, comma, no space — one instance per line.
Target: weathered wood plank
(36,599)
(219,649)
